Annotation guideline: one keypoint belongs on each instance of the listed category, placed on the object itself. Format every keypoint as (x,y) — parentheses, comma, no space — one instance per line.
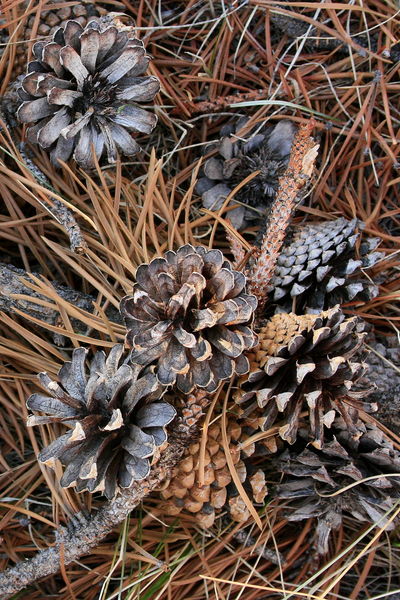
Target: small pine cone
(266,151)
(306,363)
(51,18)
(311,476)
(184,491)
(188,315)
(116,423)
(81,93)
(319,267)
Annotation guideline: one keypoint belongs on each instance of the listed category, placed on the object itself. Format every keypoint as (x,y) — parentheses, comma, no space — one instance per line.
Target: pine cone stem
(70,546)
(299,169)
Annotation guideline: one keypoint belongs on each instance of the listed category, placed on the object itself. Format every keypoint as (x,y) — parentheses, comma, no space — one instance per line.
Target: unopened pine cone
(186,493)
(320,266)
(306,363)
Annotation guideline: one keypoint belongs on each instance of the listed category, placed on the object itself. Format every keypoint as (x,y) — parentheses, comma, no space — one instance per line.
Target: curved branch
(71,545)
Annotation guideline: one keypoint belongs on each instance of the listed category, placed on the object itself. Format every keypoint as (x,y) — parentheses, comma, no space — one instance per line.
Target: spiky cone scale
(52,16)
(189,315)
(116,418)
(316,482)
(81,93)
(266,152)
(320,266)
(306,363)
(203,488)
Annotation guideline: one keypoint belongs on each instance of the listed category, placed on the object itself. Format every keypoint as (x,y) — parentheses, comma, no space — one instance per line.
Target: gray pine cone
(319,267)
(81,93)
(306,362)
(311,478)
(116,422)
(267,152)
(188,315)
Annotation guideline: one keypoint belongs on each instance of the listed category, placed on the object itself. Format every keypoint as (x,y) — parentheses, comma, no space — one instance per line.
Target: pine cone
(116,423)
(82,90)
(312,476)
(306,363)
(382,373)
(51,18)
(183,491)
(267,152)
(319,267)
(187,315)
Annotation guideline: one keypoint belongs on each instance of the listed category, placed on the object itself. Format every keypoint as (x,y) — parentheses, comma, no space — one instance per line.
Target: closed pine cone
(184,492)
(306,363)
(311,477)
(320,267)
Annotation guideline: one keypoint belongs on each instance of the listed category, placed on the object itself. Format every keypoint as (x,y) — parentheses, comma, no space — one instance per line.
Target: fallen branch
(69,546)
(289,193)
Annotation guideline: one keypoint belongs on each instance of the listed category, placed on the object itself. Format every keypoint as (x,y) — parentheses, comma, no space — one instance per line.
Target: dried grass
(219,53)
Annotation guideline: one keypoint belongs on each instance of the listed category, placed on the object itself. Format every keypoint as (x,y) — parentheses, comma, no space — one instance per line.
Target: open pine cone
(205,499)
(320,267)
(306,363)
(311,477)
(188,315)
(52,16)
(81,93)
(116,424)
(267,152)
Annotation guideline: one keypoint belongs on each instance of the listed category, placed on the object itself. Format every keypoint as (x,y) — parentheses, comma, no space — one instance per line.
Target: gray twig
(12,284)
(69,546)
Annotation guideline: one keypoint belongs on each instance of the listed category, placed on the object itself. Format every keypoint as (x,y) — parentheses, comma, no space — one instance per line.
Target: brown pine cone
(116,422)
(320,267)
(312,477)
(184,492)
(82,91)
(306,363)
(189,316)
